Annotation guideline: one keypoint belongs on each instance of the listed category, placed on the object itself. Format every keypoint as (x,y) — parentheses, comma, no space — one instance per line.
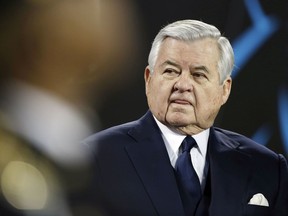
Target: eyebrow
(169,62)
(202,67)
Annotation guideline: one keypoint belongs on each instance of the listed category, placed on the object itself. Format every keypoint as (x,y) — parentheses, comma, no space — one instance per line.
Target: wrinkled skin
(184,91)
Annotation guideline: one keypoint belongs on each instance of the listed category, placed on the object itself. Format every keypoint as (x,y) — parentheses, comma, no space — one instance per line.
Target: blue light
(263,135)
(283,115)
(253,38)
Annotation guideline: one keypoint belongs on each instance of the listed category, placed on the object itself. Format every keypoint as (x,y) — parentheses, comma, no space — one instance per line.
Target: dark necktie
(188,182)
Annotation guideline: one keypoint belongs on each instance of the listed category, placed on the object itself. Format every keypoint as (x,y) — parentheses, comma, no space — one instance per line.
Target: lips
(181,101)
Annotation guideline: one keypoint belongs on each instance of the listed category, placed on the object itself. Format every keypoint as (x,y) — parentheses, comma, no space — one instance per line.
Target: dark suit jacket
(134,176)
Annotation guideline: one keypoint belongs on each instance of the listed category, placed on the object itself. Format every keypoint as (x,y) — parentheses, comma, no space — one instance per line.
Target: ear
(227,84)
(147,77)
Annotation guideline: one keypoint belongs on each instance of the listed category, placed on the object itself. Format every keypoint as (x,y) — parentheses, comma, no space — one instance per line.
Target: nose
(183,83)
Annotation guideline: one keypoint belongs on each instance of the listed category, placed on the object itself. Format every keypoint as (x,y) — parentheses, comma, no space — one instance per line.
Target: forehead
(200,51)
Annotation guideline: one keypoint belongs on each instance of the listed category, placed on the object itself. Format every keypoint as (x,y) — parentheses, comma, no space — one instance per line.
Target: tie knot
(188,143)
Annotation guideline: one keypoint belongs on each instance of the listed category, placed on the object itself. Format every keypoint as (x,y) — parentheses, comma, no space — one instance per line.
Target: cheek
(210,101)
(158,96)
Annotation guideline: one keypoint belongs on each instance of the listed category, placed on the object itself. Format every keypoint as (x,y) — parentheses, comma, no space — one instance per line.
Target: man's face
(184,91)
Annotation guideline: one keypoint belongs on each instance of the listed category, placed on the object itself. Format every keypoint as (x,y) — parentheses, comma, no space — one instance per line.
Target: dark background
(257,106)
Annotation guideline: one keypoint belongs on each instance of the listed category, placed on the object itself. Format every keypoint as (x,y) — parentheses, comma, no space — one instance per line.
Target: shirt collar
(174,139)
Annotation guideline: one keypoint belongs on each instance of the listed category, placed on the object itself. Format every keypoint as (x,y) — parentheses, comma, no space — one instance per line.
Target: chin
(178,121)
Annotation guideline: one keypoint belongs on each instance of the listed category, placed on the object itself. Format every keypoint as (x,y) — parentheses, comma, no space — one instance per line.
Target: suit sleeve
(281,207)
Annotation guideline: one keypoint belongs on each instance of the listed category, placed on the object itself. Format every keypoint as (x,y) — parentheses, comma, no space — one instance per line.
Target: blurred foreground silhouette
(56,56)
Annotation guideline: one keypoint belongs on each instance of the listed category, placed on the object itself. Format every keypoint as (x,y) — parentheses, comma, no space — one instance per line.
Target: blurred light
(23,186)
(283,115)
(262,135)
(252,39)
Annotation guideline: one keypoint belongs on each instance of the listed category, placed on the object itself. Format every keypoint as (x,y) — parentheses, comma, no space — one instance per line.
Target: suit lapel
(229,172)
(151,161)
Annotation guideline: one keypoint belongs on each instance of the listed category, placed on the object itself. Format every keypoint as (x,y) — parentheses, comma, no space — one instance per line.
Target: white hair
(191,30)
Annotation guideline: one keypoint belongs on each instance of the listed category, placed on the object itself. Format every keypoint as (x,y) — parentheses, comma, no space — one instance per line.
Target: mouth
(180,102)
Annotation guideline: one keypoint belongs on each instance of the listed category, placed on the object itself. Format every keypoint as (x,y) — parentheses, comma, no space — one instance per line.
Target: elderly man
(173,161)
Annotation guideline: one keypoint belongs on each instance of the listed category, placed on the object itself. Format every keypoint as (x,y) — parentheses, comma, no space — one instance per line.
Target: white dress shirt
(173,141)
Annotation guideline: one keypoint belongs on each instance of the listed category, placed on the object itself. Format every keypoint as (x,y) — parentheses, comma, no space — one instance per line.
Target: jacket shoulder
(123,131)
(112,132)
(244,143)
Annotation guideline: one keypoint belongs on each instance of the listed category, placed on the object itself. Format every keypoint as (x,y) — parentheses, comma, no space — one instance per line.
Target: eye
(171,72)
(199,75)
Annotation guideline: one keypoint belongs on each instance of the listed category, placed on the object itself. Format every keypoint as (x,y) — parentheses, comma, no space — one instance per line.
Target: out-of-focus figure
(52,54)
